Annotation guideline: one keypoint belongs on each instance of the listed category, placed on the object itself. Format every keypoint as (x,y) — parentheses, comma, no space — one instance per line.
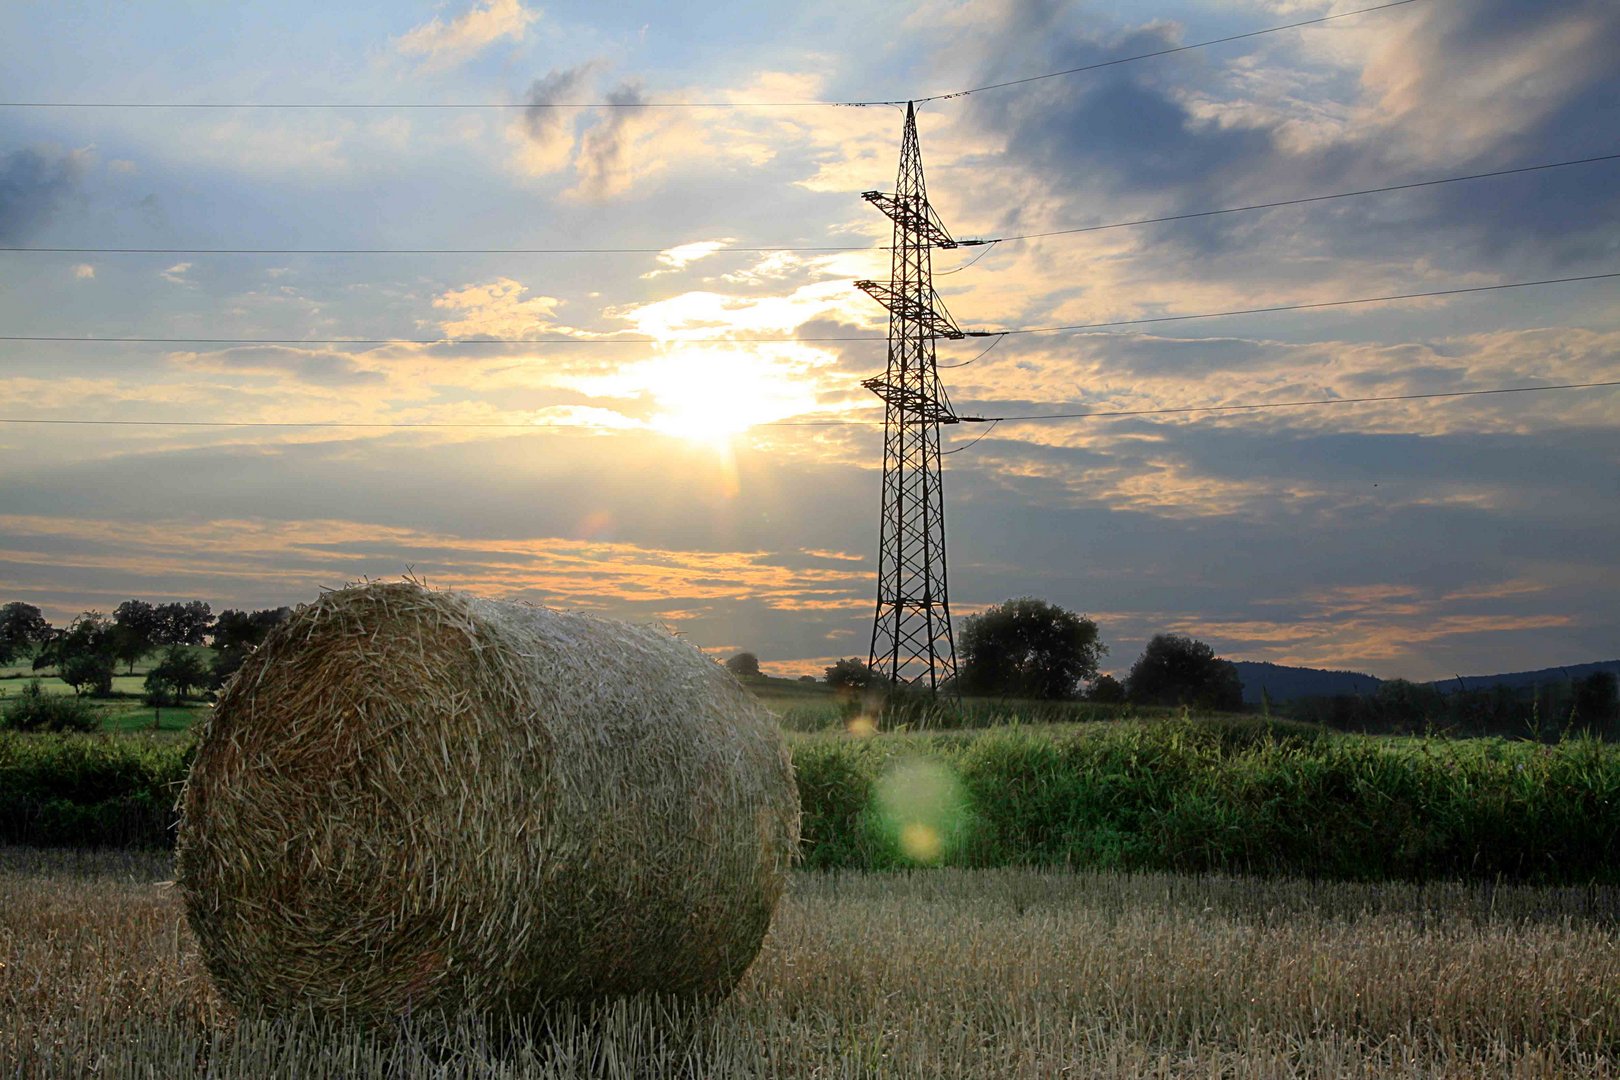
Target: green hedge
(1231,796)
(89,790)
(1212,796)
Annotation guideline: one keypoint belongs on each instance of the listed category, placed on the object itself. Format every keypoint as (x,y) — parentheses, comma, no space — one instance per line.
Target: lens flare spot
(922,810)
(921,843)
(862,726)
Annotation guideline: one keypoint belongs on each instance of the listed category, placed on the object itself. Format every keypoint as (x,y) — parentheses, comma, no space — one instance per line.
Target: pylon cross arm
(914,215)
(935,320)
(916,405)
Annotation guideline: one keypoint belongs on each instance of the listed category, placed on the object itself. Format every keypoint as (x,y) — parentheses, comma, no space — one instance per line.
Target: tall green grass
(1238,795)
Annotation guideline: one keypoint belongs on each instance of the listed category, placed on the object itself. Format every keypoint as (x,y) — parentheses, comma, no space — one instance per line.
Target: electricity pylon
(911,632)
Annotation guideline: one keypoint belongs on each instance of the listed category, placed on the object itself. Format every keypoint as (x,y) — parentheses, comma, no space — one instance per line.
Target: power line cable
(997,340)
(1192,215)
(992,420)
(1073,327)
(688,104)
(1300,307)
(1288,404)
(773,248)
(1161,52)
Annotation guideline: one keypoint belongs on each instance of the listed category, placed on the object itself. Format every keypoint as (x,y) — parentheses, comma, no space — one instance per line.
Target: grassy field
(125,710)
(1006,973)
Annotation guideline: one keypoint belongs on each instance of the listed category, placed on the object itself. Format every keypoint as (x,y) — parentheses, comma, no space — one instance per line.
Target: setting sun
(709,396)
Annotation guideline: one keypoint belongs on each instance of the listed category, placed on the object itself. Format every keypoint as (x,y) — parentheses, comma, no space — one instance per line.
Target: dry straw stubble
(410,800)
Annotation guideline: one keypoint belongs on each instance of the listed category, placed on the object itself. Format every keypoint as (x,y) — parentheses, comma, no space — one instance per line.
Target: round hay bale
(411,799)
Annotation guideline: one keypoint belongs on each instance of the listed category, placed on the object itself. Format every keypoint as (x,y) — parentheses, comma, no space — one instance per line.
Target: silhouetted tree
(1404,705)
(183,623)
(1028,648)
(744,663)
(1595,697)
(1178,670)
(238,633)
(135,631)
(849,674)
(174,677)
(1106,690)
(22,627)
(84,655)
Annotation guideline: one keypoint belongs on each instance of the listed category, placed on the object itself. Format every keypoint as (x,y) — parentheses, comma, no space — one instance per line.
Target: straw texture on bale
(410,799)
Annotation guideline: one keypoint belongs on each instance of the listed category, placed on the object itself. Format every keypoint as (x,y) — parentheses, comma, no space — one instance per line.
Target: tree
(1595,697)
(1106,690)
(175,676)
(135,631)
(849,674)
(238,633)
(22,626)
(1178,670)
(1028,648)
(183,623)
(84,655)
(743,664)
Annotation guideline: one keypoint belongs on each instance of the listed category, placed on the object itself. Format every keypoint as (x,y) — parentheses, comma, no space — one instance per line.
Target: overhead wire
(1097,414)
(830,248)
(607,340)
(610,104)
(1161,52)
(992,420)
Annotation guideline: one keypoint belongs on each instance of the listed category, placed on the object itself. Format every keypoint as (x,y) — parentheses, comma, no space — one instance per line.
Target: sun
(710,396)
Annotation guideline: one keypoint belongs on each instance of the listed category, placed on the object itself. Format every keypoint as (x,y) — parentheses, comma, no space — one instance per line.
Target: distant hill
(1522,679)
(1286,683)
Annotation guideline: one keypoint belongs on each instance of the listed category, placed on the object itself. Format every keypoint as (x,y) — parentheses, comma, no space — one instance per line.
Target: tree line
(1030,648)
(87,652)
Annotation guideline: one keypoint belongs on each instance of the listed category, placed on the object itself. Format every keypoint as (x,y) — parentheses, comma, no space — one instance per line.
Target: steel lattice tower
(911,633)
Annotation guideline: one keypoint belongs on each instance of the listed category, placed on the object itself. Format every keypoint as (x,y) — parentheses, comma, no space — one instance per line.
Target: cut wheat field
(982,973)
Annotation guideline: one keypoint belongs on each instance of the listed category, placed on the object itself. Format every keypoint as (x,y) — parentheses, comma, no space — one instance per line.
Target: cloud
(320,366)
(442,45)
(683,255)
(498,309)
(84,272)
(34,185)
(604,165)
(548,127)
(177,273)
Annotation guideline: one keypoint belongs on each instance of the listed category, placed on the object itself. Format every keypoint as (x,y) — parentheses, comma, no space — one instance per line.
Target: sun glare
(710,397)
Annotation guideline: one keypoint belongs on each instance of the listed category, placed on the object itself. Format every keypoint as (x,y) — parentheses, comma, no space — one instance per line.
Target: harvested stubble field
(994,973)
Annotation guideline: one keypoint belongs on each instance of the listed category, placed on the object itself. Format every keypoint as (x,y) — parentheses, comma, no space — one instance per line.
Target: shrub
(35,710)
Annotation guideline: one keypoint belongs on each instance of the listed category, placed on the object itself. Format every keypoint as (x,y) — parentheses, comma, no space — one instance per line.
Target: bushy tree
(1178,670)
(22,627)
(185,623)
(84,655)
(238,633)
(743,664)
(1028,648)
(1106,690)
(135,631)
(174,677)
(849,674)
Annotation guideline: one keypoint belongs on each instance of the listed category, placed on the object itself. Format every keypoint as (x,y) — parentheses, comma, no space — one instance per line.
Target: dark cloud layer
(34,185)
(1127,134)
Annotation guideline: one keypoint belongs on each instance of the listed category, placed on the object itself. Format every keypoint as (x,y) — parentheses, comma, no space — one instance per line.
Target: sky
(730,488)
